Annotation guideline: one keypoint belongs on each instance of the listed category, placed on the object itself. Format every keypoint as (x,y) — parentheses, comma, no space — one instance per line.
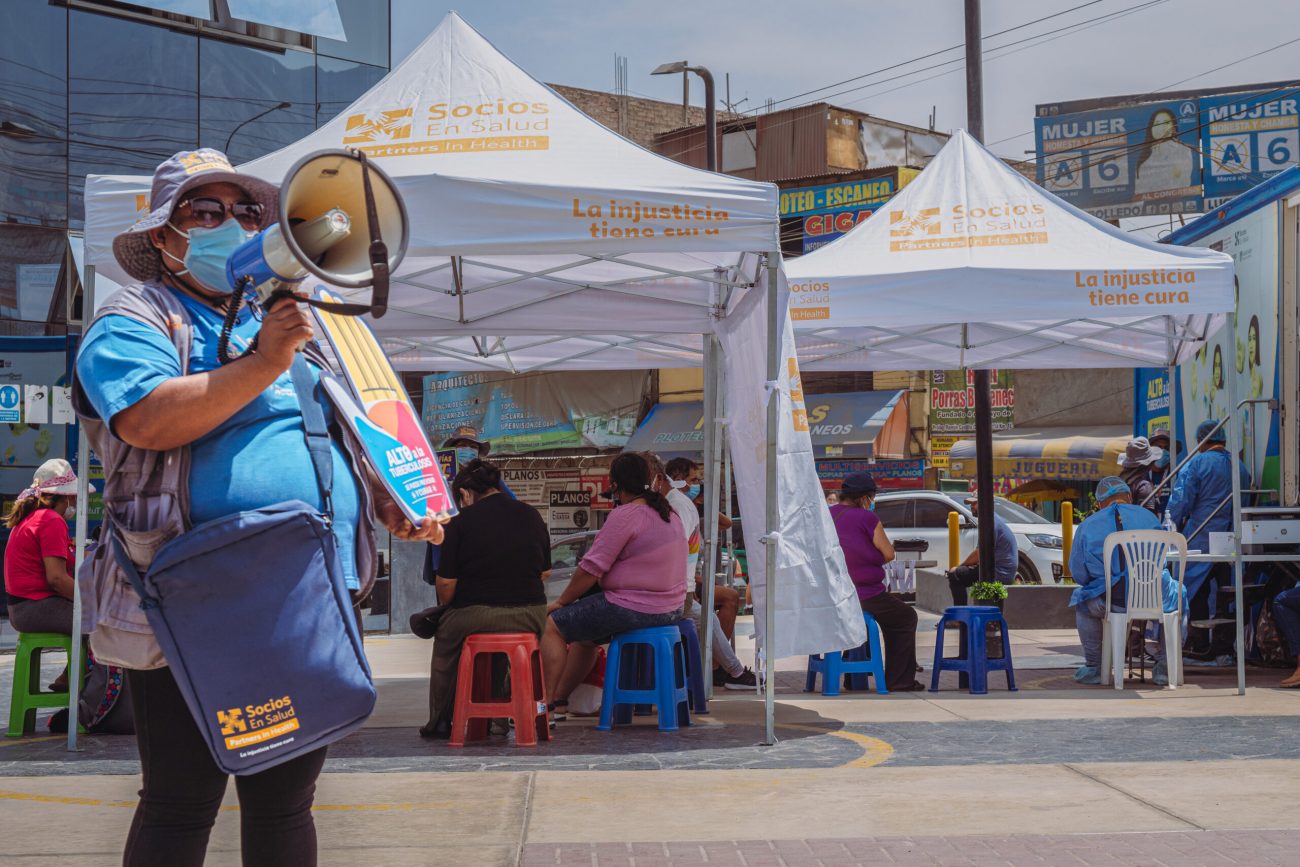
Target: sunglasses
(208,213)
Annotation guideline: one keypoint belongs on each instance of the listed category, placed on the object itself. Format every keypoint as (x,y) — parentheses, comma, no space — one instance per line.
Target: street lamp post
(245,123)
(710,113)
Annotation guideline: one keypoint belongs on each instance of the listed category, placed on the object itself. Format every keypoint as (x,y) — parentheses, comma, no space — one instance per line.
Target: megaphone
(342,219)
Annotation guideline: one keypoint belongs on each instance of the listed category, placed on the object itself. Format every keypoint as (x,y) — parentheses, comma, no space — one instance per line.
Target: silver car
(924,515)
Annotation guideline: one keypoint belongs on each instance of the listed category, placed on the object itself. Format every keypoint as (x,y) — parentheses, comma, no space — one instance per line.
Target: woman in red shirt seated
(38,578)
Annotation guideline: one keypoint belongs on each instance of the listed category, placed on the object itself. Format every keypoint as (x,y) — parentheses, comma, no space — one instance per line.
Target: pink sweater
(638,558)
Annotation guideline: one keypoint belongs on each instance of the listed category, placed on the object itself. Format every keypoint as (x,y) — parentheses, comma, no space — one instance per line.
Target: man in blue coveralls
(1115,513)
(1201,503)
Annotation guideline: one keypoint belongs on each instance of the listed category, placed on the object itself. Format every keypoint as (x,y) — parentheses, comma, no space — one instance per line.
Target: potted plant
(990,593)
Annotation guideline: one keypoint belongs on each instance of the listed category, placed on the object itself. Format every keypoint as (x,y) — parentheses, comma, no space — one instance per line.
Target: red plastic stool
(526,705)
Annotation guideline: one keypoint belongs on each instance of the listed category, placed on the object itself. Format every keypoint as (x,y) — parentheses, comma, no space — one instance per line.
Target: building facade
(115,88)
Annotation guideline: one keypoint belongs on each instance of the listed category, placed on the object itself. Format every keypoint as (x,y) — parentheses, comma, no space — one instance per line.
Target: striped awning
(1047,453)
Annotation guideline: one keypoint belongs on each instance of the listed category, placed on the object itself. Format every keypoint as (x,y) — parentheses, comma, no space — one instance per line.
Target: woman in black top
(489,578)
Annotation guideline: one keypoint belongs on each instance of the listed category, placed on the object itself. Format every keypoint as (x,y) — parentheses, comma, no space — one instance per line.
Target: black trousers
(183,788)
(897,622)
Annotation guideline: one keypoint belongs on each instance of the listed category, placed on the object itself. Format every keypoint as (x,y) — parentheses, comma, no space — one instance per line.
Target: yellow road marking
(874,750)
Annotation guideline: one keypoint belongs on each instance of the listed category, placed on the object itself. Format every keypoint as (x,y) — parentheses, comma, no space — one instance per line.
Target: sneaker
(1088,674)
(744,680)
(720,677)
(1160,674)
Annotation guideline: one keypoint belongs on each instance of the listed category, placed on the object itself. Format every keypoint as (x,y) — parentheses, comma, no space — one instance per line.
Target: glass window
(132,98)
(366,25)
(894,514)
(317,17)
(931,514)
(192,8)
(566,556)
(33,113)
(241,90)
(31,260)
(339,83)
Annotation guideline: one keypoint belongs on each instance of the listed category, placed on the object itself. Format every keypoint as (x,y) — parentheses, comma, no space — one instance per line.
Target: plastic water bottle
(1168,523)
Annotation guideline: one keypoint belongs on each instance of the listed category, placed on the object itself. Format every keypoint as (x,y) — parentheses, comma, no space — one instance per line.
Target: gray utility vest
(146,493)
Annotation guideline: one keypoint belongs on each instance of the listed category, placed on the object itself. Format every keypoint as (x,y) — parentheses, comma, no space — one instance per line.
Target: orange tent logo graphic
(923,222)
(391,125)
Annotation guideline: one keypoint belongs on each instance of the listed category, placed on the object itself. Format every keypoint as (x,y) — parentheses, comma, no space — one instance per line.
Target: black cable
(228,324)
(926,56)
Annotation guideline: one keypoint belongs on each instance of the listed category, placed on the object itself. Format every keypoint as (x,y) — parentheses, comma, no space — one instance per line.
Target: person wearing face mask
(636,559)
(468,448)
(38,579)
(683,475)
(185,440)
(728,671)
(489,577)
(866,551)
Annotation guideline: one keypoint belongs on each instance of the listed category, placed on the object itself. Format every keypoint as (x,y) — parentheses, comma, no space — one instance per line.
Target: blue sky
(779,49)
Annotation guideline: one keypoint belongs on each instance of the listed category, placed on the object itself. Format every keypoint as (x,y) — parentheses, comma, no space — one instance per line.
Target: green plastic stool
(23,702)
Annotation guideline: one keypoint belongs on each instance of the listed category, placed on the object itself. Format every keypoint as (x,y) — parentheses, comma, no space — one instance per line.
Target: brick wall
(645,117)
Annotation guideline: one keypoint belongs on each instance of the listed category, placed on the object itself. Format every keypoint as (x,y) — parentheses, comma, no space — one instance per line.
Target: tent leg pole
(1234,428)
(708,553)
(83,513)
(772,518)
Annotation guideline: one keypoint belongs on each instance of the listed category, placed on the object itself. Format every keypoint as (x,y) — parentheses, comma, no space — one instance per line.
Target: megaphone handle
(378,249)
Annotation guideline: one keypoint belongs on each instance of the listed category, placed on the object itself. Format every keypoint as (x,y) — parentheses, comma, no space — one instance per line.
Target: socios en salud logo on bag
(258,723)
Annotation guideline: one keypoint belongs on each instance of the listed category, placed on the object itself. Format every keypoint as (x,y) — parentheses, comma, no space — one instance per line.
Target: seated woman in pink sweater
(636,559)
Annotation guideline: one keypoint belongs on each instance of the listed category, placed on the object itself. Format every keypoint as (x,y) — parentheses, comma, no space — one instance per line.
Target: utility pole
(983,404)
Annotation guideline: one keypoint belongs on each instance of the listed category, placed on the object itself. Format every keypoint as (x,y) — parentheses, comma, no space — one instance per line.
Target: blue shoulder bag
(253,616)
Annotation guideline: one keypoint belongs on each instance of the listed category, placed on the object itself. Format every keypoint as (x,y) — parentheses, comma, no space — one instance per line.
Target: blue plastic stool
(637,658)
(857,663)
(973,662)
(666,686)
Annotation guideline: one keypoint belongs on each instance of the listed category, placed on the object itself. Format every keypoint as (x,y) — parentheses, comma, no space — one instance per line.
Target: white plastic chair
(1146,555)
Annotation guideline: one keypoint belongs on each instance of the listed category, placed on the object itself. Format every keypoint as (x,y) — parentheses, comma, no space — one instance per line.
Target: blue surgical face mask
(692,491)
(1163,461)
(205,260)
(465,454)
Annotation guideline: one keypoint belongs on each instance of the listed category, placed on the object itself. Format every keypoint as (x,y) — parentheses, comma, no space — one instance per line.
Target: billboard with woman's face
(1123,161)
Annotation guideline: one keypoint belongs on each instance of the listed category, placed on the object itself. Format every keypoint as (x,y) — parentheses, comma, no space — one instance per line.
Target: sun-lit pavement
(1053,774)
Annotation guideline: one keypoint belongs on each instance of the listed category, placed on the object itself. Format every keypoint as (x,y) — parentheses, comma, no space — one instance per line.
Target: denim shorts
(596,620)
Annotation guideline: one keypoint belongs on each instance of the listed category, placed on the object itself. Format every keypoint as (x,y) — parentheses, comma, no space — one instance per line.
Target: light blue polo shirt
(255,458)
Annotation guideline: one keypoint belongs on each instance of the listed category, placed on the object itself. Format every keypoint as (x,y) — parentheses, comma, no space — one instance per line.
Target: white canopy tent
(533,226)
(972,265)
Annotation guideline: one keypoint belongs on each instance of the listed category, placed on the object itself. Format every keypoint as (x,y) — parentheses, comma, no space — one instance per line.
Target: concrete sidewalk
(1196,775)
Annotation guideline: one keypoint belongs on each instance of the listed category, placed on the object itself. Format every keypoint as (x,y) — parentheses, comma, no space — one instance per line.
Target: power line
(931,54)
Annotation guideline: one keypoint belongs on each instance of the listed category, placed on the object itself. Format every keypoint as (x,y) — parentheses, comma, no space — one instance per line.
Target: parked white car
(924,515)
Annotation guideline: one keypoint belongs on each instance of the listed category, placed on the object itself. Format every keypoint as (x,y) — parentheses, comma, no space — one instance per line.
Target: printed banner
(536,412)
(1128,161)
(952,401)
(1150,401)
(889,475)
(1246,139)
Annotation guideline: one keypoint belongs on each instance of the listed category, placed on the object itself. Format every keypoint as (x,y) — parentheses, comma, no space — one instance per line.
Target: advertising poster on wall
(1251,351)
(518,415)
(828,211)
(1151,401)
(952,408)
(1123,161)
(1246,139)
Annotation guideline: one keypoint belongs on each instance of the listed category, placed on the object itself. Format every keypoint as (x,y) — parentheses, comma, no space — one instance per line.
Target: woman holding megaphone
(216,478)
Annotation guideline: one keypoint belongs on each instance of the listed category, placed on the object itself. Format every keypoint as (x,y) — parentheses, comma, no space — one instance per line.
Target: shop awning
(859,424)
(1047,453)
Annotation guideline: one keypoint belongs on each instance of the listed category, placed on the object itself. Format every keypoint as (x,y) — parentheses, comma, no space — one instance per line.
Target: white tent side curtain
(973,265)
